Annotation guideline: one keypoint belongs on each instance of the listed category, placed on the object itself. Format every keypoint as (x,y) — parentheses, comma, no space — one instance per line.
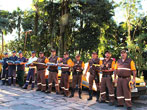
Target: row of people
(123,68)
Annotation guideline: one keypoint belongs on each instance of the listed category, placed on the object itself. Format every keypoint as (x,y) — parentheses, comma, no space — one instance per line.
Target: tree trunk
(19,28)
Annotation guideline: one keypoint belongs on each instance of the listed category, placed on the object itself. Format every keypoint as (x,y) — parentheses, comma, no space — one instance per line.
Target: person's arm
(133,68)
(70,63)
(88,67)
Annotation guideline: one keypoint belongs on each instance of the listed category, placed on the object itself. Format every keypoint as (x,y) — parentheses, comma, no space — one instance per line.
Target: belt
(106,75)
(124,77)
(41,69)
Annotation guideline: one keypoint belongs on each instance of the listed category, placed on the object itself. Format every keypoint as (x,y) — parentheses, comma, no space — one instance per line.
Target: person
(124,68)
(93,68)
(21,69)
(12,69)
(108,66)
(53,72)
(41,69)
(31,73)
(77,76)
(66,64)
(5,70)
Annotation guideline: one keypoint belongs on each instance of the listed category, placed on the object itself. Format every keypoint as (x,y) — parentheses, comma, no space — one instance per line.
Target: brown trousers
(107,82)
(65,83)
(91,79)
(77,79)
(53,76)
(123,91)
(41,83)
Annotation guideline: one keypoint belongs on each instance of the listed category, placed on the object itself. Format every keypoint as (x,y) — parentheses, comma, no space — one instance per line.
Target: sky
(11,5)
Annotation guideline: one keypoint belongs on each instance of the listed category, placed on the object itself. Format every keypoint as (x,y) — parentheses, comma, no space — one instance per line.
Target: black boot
(80,92)
(90,95)
(97,96)
(72,93)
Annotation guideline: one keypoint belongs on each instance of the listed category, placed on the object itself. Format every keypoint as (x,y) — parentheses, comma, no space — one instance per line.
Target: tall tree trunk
(19,28)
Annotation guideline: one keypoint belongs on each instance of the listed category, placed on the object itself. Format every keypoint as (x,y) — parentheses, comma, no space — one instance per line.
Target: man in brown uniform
(124,68)
(41,69)
(65,68)
(94,74)
(77,76)
(106,82)
(53,72)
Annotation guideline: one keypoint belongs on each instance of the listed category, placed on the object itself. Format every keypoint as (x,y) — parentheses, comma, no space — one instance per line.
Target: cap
(53,50)
(66,53)
(5,53)
(33,52)
(20,52)
(123,51)
(41,53)
(14,51)
(94,53)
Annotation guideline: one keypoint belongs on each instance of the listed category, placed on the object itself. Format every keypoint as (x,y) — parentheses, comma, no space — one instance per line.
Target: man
(65,68)
(5,70)
(77,76)
(21,69)
(31,73)
(93,68)
(124,68)
(41,69)
(12,69)
(53,72)
(106,82)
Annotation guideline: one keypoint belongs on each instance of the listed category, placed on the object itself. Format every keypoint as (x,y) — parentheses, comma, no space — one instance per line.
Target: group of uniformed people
(123,69)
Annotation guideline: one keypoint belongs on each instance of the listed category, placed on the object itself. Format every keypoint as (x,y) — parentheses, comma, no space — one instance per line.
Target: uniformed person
(93,68)
(53,72)
(108,66)
(21,69)
(41,69)
(31,73)
(124,68)
(77,76)
(5,70)
(12,69)
(65,68)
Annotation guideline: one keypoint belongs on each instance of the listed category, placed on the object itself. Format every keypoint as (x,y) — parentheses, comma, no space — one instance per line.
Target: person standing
(124,69)
(66,64)
(77,76)
(108,66)
(5,70)
(12,69)
(53,72)
(41,69)
(93,68)
(31,73)
(21,69)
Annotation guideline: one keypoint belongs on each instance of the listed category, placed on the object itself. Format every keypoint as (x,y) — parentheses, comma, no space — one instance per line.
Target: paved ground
(14,98)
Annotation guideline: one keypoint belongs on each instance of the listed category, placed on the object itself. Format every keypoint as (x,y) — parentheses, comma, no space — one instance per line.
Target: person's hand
(115,80)
(6,68)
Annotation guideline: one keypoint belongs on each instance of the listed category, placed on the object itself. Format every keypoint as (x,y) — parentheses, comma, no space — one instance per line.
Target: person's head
(94,55)
(14,53)
(108,54)
(41,54)
(20,54)
(123,54)
(53,52)
(6,55)
(33,53)
(78,57)
(66,54)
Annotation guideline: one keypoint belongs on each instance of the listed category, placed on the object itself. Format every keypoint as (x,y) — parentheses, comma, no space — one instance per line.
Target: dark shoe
(80,92)
(71,96)
(102,101)
(38,89)
(47,91)
(80,97)
(42,90)
(119,105)
(129,108)
(90,95)
(57,93)
(111,103)
(24,87)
